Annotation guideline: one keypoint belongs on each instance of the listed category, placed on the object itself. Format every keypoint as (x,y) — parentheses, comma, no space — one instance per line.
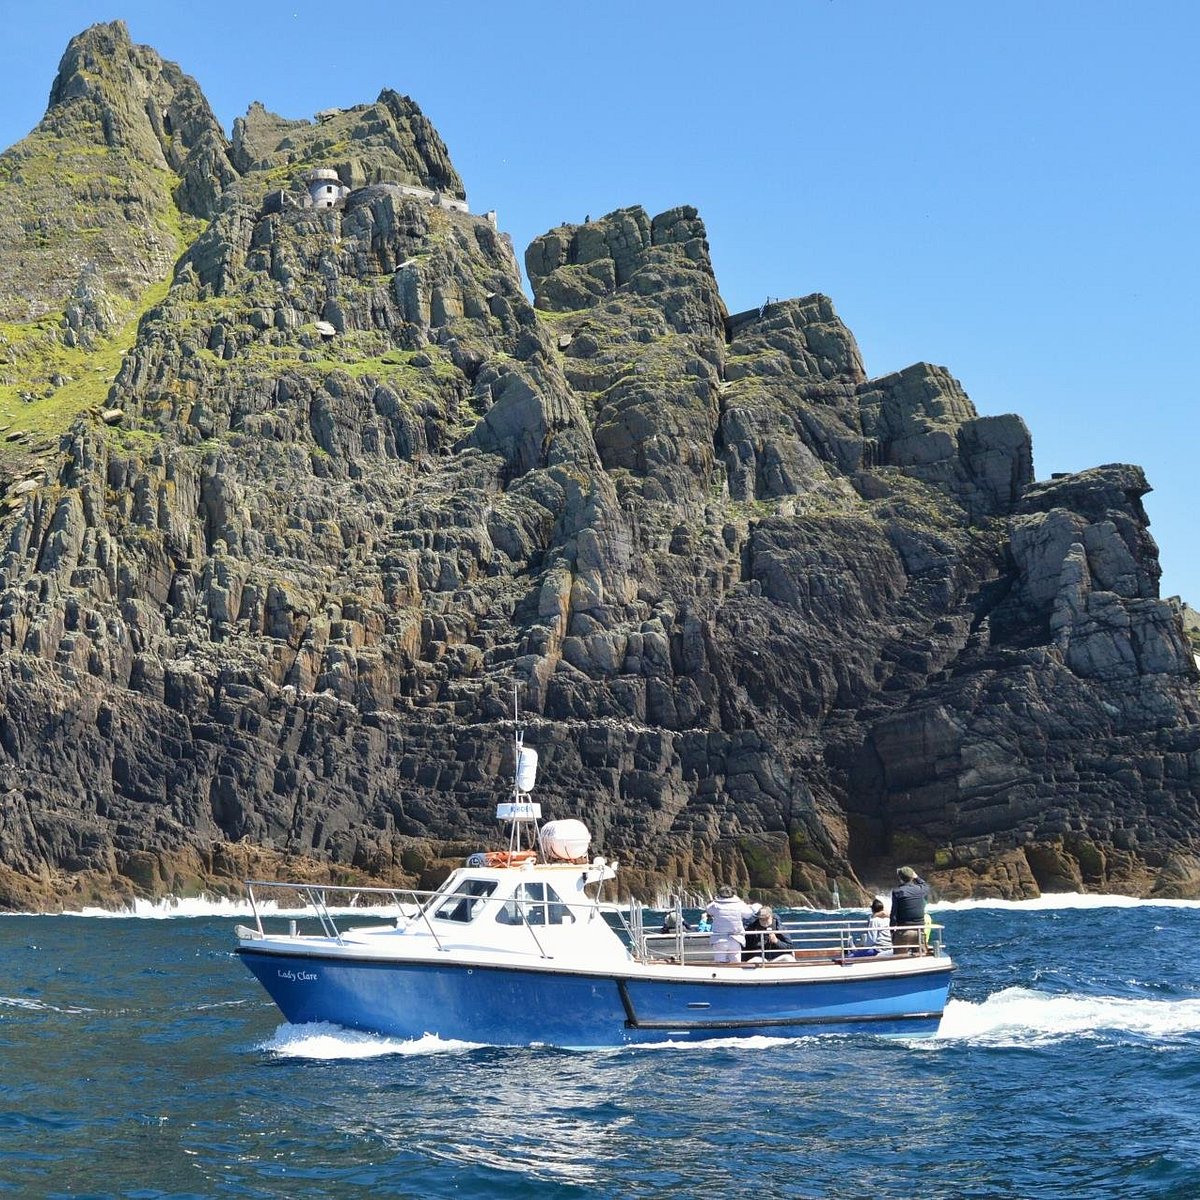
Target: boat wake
(322,1040)
(1022,1017)
(754,1044)
(1015,1017)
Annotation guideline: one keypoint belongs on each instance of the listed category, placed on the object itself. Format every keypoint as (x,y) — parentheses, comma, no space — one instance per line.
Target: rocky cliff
(293,497)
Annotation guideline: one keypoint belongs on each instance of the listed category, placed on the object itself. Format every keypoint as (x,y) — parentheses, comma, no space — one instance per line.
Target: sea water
(138,1058)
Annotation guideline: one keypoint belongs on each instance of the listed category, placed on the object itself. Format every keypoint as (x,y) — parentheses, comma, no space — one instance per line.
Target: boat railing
(837,940)
(329,904)
(333,906)
(325,903)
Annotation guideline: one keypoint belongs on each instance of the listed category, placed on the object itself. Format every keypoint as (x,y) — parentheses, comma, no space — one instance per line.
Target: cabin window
(535,904)
(466,901)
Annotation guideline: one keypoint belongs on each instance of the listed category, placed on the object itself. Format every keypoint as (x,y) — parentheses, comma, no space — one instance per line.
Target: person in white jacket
(878,938)
(729,914)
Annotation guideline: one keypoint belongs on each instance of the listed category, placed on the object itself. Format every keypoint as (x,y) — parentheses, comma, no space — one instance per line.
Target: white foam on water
(321,1040)
(224,906)
(158,910)
(161,910)
(757,1043)
(1020,1016)
(1050,902)
(1062,900)
(40,1005)
(211,906)
(1016,1017)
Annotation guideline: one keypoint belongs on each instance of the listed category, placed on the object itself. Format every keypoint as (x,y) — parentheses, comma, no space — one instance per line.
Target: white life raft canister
(564,841)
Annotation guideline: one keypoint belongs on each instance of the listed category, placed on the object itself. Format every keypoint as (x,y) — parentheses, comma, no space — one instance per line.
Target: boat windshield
(535,904)
(466,901)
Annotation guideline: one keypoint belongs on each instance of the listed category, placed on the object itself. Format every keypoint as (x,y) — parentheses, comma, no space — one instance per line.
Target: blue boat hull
(513,1007)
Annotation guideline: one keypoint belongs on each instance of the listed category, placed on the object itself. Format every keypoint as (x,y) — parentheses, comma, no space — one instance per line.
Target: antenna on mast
(520,811)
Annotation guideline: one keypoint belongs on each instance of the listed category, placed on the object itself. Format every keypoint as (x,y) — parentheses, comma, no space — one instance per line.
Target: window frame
(466,902)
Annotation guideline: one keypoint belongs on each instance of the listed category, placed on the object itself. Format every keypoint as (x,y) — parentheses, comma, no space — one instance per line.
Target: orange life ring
(510,858)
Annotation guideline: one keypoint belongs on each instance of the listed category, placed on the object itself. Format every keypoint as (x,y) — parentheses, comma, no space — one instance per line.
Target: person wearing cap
(765,941)
(908,909)
(729,914)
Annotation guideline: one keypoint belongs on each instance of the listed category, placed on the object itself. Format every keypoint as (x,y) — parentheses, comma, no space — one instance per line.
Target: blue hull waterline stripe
(633,1022)
(782,1022)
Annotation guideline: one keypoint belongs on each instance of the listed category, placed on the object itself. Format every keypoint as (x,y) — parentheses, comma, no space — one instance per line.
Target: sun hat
(725,893)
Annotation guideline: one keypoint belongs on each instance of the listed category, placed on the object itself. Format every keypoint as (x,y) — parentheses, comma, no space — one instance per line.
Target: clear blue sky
(1008,189)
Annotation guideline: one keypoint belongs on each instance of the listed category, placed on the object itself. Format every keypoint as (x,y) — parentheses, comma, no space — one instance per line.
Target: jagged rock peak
(1092,492)
(389,140)
(125,95)
(91,200)
(574,266)
(102,52)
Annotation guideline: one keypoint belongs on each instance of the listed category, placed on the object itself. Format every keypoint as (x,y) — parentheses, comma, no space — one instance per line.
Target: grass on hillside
(35,355)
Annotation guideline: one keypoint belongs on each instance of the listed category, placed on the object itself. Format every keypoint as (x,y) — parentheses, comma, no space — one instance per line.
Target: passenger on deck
(765,941)
(704,925)
(878,938)
(668,925)
(908,909)
(729,914)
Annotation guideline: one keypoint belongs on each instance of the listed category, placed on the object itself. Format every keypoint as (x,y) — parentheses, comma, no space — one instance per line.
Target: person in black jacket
(908,909)
(765,940)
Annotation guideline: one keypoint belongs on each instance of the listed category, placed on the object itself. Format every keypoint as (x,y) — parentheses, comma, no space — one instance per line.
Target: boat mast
(521,811)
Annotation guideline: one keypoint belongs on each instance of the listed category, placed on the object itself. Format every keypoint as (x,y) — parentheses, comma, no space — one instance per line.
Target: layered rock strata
(773,621)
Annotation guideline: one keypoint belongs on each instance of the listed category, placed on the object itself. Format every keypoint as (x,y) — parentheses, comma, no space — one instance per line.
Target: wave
(321,1040)
(1013,1017)
(171,907)
(1060,900)
(30,1005)
(1049,902)
(1021,1017)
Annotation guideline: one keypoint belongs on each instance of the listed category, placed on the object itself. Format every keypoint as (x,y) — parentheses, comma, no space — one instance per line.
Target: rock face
(774,622)
(91,200)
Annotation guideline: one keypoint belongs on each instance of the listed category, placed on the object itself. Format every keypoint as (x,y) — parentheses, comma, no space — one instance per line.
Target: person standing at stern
(729,914)
(909,898)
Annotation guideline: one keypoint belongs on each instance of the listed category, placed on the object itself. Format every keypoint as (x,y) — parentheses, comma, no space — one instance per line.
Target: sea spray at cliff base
(172,908)
(221,906)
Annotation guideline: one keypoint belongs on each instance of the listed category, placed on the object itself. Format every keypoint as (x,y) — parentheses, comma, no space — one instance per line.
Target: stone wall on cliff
(264,598)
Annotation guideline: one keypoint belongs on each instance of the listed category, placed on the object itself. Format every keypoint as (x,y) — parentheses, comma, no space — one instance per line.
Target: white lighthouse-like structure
(325,189)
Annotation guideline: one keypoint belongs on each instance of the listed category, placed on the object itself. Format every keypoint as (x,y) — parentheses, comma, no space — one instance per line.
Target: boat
(518,947)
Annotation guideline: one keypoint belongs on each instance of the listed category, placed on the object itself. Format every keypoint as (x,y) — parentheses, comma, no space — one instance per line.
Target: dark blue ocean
(139,1059)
